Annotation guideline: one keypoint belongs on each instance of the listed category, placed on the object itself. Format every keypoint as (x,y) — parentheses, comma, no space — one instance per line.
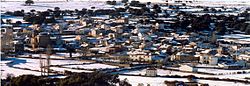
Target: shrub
(56,8)
(124,1)
(18,13)
(74,79)
(29,2)
(8,13)
(111,2)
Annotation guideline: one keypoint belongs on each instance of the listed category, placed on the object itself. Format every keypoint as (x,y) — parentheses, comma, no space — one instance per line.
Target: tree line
(74,79)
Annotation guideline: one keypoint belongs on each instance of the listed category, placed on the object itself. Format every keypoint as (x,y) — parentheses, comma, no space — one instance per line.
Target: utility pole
(42,65)
(48,53)
(48,64)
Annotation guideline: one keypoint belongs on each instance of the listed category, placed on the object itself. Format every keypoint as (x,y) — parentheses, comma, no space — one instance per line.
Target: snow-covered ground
(36,62)
(54,56)
(221,83)
(6,70)
(21,66)
(92,66)
(226,3)
(34,66)
(143,72)
(153,81)
(43,6)
(67,54)
(162,72)
(13,19)
(220,71)
(43,56)
(159,81)
(67,69)
(58,76)
(134,80)
(143,1)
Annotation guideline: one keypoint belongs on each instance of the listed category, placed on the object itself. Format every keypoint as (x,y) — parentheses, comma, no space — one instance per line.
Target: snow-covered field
(92,66)
(43,6)
(153,81)
(154,1)
(54,56)
(34,66)
(143,72)
(159,81)
(222,83)
(134,80)
(227,3)
(162,72)
(42,56)
(36,62)
(221,71)
(6,70)
(67,54)
(67,69)
(21,66)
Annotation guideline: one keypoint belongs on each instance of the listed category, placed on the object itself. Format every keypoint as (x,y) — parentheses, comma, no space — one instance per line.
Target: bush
(17,23)
(93,79)
(134,2)
(170,83)
(111,2)
(108,2)
(204,85)
(9,13)
(34,19)
(124,82)
(124,1)
(120,10)
(205,9)
(22,81)
(18,13)
(74,79)
(56,8)
(50,20)
(29,2)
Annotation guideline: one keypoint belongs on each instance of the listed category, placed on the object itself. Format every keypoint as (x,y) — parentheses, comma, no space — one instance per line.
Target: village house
(7,38)
(230,66)
(184,57)
(151,72)
(245,57)
(208,57)
(145,34)
(140,55)
(188,68)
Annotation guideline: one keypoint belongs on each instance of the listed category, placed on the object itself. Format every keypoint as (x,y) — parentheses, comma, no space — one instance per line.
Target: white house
(244,57)
(213,60)
(188,68)
(139,56)
(208,58)
(151,72)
